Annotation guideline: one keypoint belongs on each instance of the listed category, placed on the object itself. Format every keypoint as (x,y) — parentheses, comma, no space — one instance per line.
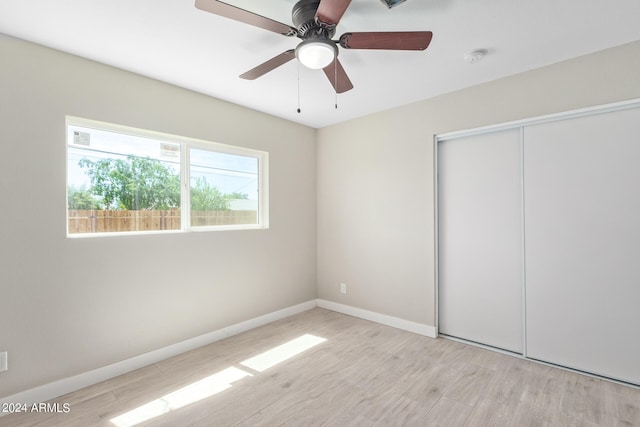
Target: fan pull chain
(298,87)
(335,77)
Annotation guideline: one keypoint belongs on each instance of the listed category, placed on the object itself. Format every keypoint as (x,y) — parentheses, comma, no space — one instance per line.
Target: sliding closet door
(479,239)
(582,228)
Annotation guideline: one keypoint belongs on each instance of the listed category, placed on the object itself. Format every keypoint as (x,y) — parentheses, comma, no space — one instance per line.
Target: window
(124,180)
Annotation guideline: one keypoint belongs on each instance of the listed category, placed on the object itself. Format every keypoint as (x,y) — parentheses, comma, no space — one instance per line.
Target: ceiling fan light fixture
(316,53)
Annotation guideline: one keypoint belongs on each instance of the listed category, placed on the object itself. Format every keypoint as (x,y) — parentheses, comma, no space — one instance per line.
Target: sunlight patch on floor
(192,393)
(282,352)
(215,383)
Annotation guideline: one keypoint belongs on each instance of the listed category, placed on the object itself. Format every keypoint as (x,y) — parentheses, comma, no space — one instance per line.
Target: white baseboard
(67,385)
(395,322)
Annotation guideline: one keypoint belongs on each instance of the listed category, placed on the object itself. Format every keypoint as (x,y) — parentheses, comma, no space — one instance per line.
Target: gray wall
(376,176)
(72,305)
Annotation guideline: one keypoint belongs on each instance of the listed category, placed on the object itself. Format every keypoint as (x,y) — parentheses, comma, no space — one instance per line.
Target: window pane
(224,188)
(118,182)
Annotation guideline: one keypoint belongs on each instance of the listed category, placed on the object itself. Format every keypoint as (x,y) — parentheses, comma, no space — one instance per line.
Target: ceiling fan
(315,23)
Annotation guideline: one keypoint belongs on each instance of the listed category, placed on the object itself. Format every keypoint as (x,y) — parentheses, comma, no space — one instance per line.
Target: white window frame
(185,143)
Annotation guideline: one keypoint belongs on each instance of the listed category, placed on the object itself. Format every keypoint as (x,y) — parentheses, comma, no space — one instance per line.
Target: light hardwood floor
(364,374)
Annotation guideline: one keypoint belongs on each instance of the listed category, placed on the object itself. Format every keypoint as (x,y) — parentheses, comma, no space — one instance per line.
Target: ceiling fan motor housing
(304,19)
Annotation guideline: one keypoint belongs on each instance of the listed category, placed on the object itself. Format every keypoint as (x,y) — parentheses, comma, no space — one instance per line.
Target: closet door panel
(480,248)
(582,244)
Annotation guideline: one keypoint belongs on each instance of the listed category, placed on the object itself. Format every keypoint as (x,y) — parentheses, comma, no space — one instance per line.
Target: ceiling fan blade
(269,65)
(338,77)
(396,40)
(241,15)
(331,11)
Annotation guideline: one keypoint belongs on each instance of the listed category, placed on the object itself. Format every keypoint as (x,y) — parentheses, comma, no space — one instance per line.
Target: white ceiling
(177,43)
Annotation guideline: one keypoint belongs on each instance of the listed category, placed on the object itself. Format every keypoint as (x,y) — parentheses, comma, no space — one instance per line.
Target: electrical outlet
(4,365)
(343,288)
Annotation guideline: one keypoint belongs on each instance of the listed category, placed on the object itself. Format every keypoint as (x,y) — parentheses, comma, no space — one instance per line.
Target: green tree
(81,198)
(206,197)
(236,195)
(133,184)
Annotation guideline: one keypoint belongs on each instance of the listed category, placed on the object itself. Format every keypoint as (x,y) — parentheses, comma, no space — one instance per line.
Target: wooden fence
(106,221)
